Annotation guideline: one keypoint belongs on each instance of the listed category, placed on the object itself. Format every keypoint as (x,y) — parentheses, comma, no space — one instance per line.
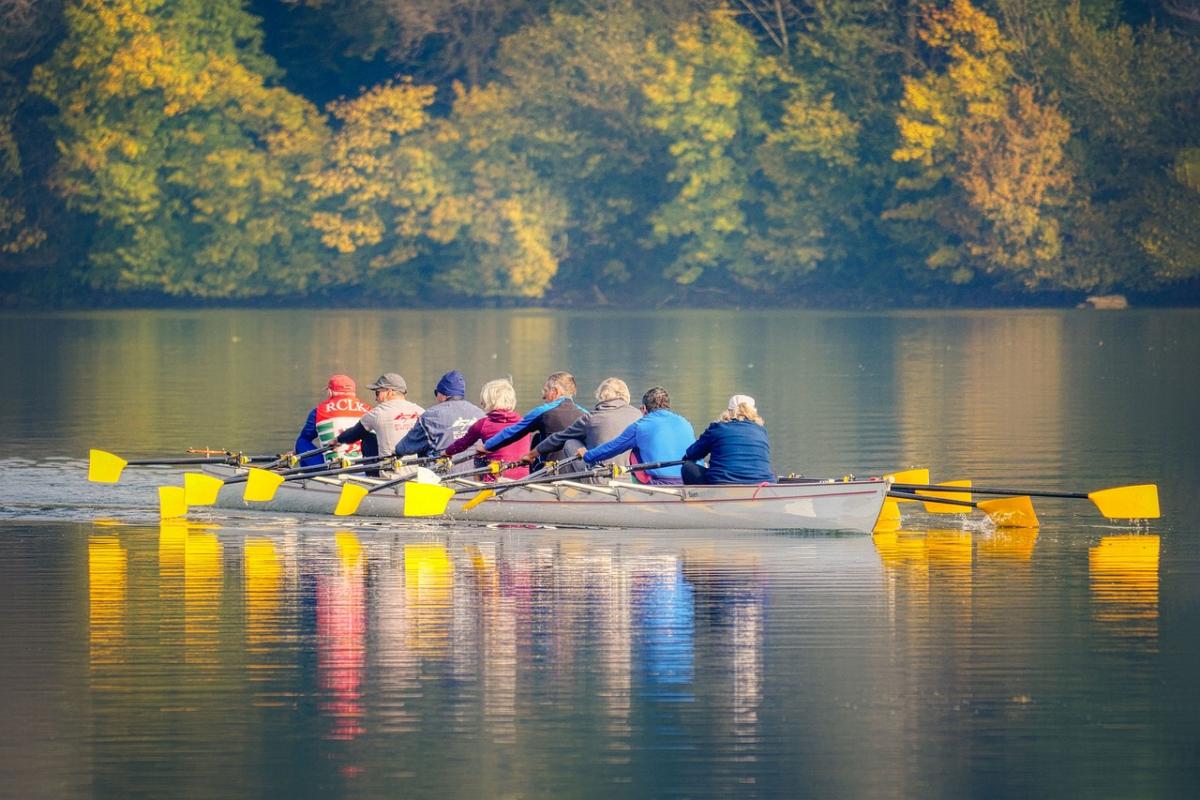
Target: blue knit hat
(452,384)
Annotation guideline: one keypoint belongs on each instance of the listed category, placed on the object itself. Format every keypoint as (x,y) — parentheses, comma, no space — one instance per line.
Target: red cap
(341,384)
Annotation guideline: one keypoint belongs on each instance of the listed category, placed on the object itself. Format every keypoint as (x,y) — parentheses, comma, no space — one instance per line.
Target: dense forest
(857,152)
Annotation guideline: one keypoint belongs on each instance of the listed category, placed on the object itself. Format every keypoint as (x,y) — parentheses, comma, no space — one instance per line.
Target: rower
(499,400)
(443,422)
(340,410)
(389,421)
(736,446)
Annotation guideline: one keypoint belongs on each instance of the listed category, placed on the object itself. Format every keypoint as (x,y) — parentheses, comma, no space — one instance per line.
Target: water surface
(255,654)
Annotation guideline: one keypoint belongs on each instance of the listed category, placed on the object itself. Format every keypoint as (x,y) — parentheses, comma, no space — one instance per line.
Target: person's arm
(700,448)
(355,433)
(415,442)
(307,439)
(520,427)
(469,438)
(555,441)
(624,441)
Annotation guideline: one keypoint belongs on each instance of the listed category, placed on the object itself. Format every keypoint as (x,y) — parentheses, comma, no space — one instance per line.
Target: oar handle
(548,468)
(654,465)
(931,487)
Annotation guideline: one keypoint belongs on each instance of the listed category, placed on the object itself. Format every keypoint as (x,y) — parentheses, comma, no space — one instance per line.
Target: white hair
(498,394)
(612,389)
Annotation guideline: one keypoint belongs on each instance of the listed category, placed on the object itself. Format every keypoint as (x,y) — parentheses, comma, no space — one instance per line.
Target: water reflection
(107,588)
(504,644)
(1123,572)
(341,638)
(202,587)
(1008,545)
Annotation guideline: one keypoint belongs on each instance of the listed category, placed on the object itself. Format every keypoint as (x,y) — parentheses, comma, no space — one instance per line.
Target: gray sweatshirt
(606,421)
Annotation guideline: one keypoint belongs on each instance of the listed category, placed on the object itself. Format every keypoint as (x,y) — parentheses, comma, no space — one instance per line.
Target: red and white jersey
(339,412)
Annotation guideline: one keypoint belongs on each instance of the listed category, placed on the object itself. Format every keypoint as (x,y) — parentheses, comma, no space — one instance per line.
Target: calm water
(291,656)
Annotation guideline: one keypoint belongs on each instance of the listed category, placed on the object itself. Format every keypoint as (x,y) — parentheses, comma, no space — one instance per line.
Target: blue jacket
(738,452)
(661,435)
(307,441)
(440,425)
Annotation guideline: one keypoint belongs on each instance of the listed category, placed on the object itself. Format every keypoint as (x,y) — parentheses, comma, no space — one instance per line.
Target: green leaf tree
(754,151)
(170,134)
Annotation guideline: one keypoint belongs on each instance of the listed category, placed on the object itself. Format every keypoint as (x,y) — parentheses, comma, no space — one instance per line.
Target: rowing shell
(834,506)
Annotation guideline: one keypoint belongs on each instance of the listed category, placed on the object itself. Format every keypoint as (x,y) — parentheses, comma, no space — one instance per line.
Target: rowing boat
(822,506)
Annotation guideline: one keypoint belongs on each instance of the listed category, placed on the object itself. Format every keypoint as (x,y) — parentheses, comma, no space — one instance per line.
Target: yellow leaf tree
(171,135)
(988,173)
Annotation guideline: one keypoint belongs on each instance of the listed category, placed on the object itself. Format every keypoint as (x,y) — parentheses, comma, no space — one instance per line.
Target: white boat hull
(841,506)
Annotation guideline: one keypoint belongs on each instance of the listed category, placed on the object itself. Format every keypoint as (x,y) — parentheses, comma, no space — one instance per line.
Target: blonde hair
(745,411)
(612,389)
(498,394)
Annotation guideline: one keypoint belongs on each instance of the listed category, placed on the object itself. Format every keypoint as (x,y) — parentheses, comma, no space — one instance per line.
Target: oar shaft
(174,462)
(504,487)
(931,487)
(924,498)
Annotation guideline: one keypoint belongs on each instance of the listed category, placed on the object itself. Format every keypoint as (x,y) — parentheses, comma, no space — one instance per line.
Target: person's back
(736,446)
(339,411)
(442,423)
(498,398)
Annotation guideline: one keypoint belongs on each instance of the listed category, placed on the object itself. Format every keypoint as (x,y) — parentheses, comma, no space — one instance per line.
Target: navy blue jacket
(738,452)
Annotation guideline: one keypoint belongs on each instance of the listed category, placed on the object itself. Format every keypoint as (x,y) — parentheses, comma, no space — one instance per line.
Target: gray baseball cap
(389,380)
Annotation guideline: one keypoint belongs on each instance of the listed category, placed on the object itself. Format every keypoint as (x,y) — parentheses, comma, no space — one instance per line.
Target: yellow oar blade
(947,508)
(908,476)
(352,495)
(889,517)
(1128,502)
(479,498)
(261,485)
(104,467)
(1010,512)
(171,502)
(425,499)
(200,489)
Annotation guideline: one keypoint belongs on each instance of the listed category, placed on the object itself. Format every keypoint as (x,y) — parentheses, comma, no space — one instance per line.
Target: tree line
(609,151)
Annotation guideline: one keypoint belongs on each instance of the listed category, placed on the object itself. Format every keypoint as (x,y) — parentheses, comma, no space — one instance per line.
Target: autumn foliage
(607,152)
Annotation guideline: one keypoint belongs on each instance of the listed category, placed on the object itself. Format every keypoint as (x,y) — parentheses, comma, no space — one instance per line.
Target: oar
(261,485)
(352,494)
(1013,512)
(105,467)
(547,468)
(202,490)
(432,500)
(1121,502)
